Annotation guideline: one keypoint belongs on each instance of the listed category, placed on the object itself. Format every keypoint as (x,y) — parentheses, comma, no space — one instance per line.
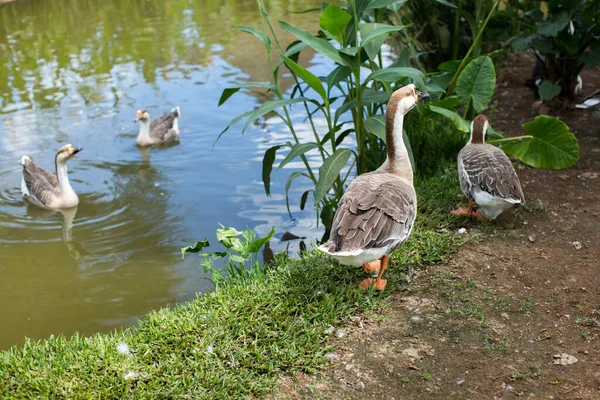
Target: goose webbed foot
(378,284)
(372,267)
(479,215)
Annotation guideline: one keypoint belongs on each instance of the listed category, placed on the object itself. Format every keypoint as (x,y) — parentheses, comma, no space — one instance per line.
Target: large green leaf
(551,146)
(268,107)
(592,58)
(477,83)
(255,246)
(298,149)
(308,77)
(552,26)
(228,92)
(320,45)
(376,126)
(329,171)
(334,20)
(548,90)
(395,74)
(460,123)
(267,167)
(261,35)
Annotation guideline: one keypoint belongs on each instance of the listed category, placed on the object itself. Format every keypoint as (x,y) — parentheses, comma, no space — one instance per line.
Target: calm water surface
(75,72)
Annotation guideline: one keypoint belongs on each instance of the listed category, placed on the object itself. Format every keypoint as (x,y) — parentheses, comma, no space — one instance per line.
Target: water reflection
(76,72)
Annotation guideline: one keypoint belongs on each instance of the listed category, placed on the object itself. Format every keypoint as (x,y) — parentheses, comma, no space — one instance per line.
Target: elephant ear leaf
(549,144)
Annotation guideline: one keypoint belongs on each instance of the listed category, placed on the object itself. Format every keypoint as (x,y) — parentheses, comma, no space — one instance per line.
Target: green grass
(236,341)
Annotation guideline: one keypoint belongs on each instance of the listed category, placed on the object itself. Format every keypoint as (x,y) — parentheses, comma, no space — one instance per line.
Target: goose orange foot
(372,267)
(479,215)
(378,284)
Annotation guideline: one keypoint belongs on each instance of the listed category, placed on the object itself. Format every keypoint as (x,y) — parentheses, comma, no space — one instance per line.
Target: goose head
(142,115)
(406,98)
(66,152)
(479,128)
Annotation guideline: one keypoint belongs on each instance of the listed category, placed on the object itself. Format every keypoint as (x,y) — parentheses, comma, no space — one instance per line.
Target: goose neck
(398,161)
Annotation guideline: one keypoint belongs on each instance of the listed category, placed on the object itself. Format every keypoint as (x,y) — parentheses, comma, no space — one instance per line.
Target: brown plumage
(486,175)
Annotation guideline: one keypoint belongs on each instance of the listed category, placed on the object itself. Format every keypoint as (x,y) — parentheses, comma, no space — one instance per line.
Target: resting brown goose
(45,189)
(486,176)
(377,212)
(164,129)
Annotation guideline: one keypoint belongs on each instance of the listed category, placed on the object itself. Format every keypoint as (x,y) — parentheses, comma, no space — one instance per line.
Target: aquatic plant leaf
(248,235)
(320,45)
(260,35)
(303,199)
(477,83)
(297,150)
(270,106)
(329,171)
(395,74)
(460,123)
(551,146)
(260,242)
(311,79)
(337,75)
(195,248)
(372,31)
(267,167)
(228,92)
(334,20)
(292,176)
(376,4)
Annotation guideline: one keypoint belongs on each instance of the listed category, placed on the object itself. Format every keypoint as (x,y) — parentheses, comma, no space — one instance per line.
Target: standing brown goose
(45,189)
(377,212)
(164,129)
(486,176)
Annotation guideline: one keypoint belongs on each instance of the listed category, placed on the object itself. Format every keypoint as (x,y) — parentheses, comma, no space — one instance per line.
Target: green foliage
(565,40)
(241,249)
(477,83)
(548,145)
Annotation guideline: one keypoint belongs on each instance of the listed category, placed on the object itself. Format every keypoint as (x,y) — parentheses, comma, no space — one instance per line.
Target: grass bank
(236,341)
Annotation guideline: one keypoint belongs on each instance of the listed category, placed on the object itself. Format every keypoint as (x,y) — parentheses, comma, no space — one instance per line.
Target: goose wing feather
(42,184)
(485,167)
(377,210)
(162,127)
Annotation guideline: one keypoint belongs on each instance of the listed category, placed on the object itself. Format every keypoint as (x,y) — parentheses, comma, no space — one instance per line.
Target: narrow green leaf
(373,47)
(268,107)
(552,145)
(369,97)
(303,199)
(446,3)
(460,123)
(477,83)
(308,77)
(260,242)
(260,35)
(377,4)
(195,248)
(329,171)
(334,20)
(395,74)
(292,176)
(548,90)
(297,150)
(376,30)
(320,45)
(231,123)
(228,92)
(337,75)
(267,167)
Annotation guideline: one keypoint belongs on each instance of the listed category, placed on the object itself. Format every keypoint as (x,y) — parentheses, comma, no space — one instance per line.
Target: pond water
(75,72)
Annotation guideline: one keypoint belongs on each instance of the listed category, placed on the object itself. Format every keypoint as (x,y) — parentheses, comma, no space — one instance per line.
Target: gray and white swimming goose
(45,189)
(377,212)
(486,176)
(163,129)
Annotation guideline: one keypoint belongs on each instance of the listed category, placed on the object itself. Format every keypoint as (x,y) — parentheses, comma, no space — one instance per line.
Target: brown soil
(490,323)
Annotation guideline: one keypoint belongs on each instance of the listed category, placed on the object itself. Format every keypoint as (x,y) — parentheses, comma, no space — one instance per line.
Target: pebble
(415,319)
(462,231)
(577,245)
(329,330)
(340,333)
(460,381)
(210,349)
(531,238)
(332,356)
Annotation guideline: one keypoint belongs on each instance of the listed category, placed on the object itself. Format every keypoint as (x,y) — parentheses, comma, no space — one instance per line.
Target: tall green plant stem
(463,64)
(358,122)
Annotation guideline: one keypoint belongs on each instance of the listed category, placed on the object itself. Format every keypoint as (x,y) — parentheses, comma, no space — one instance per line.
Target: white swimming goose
(486,176)
(377,212)
(163,129)
(45,189)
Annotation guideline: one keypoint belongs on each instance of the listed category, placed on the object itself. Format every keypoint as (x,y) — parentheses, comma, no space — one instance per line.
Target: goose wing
(40,183)
(485,167)
(377,210)
(162,127)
